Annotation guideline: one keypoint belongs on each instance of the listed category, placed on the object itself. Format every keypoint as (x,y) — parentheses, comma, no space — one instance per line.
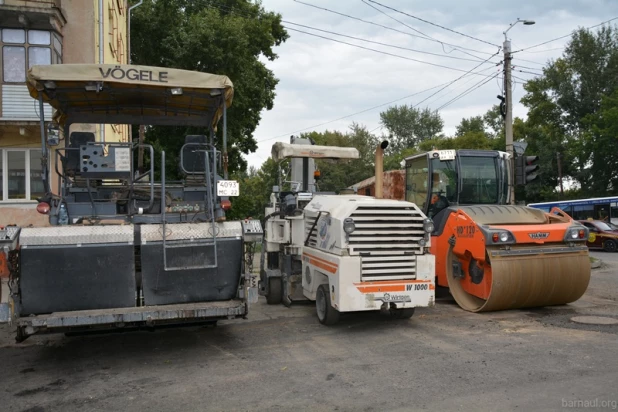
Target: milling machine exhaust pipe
(379,172)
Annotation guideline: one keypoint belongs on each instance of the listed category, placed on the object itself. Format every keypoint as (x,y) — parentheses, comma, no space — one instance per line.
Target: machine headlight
(428,225)
(348,225)
(501,237)
(576,233)
(422,242)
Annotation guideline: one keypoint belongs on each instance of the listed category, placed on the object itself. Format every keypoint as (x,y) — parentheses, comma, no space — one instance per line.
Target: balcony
(31,3)
(35,14)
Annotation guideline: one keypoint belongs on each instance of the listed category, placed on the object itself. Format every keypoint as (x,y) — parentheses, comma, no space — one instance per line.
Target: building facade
(34,32)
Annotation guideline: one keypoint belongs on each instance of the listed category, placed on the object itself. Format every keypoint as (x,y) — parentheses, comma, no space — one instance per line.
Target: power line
(360,39)
(541,51)
(353,114)
(562,37)
(379,43)
(434,24)
(519,78)
(443,86)
(465,93)
(524,71)
(460,86)
(387,53)
(356,38)
(530,61)
(388,28)
(398,21)
(418,31)
(526,67)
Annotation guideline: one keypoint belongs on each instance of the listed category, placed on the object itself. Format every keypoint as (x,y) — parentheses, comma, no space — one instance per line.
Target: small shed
(394,185)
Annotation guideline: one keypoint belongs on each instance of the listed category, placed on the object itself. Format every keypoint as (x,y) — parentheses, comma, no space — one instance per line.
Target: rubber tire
(275,291)
(406,313)
(327,315)
(610,245)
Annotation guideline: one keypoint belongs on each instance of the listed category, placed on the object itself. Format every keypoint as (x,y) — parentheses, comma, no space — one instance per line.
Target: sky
(322,81)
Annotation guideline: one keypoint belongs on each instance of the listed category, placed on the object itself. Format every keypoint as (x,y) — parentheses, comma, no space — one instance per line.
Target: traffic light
(526,169)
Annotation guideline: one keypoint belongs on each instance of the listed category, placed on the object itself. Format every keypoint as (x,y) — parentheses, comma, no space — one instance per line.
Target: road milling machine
(123,250)
(347,253)
(490,254)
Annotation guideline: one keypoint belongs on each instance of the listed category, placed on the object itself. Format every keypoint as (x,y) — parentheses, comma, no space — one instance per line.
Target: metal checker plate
(188,231)
(75,235)
(10,233)
(8,237)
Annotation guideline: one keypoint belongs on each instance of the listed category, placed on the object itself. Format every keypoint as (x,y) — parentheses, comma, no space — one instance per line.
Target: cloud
(322,80)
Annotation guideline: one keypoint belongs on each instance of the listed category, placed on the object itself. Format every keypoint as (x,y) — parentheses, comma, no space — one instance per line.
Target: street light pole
(508,91)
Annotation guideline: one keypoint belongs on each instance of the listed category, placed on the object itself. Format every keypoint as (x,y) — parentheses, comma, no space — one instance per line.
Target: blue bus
(597,208)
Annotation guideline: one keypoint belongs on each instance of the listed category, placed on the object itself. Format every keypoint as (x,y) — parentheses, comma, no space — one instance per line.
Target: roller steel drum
(524,278)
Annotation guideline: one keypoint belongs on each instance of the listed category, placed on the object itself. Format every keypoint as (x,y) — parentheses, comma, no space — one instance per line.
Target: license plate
(227,188)
(447,154)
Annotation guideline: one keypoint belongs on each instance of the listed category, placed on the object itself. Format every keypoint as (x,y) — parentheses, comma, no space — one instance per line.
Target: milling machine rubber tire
(610,245)
(275,291)
(406,313)
(327,315)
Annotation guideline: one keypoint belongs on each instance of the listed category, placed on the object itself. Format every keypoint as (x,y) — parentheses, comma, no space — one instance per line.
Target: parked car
(603,235)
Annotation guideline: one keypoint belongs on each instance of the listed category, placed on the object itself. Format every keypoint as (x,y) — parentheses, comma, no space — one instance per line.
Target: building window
(22,49)
(14,62)
(20,174)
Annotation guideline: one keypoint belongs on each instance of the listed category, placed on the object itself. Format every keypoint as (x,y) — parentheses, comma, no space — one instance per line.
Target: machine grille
(387,239)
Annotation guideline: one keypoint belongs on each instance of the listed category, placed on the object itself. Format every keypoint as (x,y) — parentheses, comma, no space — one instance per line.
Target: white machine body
(382,260)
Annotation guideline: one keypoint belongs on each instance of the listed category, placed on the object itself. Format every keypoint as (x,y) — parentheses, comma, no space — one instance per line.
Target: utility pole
(508,91)
(508,127)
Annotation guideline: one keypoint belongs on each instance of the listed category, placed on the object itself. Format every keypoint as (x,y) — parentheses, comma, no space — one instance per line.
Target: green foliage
(494,122)
(477,132)
(407,126)
(222,37)
(341,174)
(474,124)
(256,185)
(601,140)
(255,189)
(566,114)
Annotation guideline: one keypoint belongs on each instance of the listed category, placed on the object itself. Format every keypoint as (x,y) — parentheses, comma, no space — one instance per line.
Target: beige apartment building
(36,32)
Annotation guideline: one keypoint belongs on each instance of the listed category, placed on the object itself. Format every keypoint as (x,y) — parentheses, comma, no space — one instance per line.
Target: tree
(407,126)
(474,124)
(494,122)
(226,37)
(255,189)
(564,101)
(341,174)
(602,141)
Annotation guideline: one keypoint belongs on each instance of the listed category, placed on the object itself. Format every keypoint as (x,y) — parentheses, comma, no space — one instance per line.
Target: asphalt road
(605,256)
(282,359)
